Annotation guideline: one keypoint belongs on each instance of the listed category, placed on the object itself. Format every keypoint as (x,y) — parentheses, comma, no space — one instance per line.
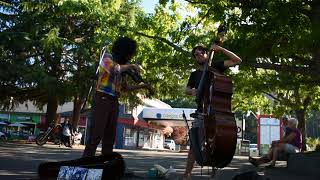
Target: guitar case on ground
(113,166)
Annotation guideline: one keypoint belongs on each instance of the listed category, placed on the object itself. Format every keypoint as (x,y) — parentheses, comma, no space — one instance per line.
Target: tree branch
(279,99)
(197,2)
(281,68)
(175,47)
(272,96)
(203,17)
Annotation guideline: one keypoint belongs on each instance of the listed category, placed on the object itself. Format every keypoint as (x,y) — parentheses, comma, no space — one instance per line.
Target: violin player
(109,84)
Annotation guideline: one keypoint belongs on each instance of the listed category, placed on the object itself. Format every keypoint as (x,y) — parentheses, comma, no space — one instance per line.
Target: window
(130,137)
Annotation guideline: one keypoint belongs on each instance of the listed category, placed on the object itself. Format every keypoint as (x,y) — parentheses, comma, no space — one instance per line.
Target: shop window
(125,109)
(4,117)
(130,137)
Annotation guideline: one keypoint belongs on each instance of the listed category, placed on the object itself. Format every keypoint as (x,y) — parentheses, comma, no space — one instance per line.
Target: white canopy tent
(3,123)
(16,125)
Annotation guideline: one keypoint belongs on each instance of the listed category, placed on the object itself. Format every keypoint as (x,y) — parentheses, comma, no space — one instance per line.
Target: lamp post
(243,126)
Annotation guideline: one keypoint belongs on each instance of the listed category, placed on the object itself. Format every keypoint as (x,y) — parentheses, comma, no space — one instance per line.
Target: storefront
(138,134)
(20,125)
(131,133)
(168,117)
(4,121)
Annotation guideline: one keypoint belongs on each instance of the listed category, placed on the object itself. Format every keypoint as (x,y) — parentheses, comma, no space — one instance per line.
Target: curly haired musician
(105,108)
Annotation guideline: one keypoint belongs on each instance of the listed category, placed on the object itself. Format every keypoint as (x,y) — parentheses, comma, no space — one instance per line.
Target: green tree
(54,62)
(281,37)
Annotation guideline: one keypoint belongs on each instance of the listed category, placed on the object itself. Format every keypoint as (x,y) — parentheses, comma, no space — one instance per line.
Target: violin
(137,78)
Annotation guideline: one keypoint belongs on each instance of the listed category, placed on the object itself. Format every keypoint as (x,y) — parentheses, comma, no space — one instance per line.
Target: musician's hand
(136,67)
(193,92)
(150,89)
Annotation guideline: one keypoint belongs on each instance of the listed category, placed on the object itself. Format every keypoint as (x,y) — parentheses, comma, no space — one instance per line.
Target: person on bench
(292,143)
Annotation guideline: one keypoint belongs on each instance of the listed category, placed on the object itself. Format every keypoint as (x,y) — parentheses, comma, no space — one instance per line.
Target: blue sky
(149,5)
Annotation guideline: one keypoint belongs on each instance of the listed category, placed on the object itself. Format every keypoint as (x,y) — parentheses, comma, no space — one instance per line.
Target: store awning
(3,123)
(17,125)
(167,114)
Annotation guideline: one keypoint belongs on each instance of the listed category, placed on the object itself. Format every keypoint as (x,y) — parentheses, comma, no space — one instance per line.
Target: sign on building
(172,113)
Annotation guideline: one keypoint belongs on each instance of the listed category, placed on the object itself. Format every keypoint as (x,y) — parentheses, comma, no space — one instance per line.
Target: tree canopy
(49,49)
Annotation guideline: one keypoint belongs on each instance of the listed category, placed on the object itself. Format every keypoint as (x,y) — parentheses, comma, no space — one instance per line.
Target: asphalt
(20,161)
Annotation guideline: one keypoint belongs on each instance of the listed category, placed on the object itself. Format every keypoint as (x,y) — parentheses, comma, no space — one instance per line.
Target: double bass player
(201,55)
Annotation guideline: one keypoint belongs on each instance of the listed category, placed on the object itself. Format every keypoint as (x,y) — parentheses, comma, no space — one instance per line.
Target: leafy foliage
(49,49)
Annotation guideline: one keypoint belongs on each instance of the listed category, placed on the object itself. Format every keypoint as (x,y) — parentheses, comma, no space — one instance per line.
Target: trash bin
(245,148)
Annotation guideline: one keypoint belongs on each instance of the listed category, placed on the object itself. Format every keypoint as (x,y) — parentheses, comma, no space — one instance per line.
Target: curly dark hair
(124,48)
(199,47)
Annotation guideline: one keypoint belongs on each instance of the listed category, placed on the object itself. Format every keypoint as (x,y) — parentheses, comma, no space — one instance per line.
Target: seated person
(292,143)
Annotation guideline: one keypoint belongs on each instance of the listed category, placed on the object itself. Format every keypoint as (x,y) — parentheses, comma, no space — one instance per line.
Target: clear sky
(149,5)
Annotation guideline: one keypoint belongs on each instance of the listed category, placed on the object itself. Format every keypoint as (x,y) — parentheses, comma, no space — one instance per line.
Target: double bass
(214,107)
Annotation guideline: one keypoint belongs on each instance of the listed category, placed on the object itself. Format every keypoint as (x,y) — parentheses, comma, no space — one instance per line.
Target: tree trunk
(77,104)
(315,23)
(52,106)
(300,114)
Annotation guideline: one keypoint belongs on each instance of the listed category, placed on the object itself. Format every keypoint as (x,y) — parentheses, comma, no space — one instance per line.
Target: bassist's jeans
(103,125)
(191,159)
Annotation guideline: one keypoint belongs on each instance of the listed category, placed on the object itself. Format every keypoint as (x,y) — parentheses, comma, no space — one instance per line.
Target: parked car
(3,137)
(170,144)
(254,150)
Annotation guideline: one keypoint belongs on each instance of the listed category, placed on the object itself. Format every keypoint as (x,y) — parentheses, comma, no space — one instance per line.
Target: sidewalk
(137,161)
(240,165)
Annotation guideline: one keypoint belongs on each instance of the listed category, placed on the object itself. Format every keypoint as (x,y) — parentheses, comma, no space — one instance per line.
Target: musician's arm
(125,87)
(290,138)
(141,86)
(126,67)
(233,58)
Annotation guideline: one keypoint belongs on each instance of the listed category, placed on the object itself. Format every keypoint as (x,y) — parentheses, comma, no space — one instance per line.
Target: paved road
(20,161)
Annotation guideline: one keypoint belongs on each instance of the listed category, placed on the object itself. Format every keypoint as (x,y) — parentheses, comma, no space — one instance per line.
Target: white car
(254,150)
(170,144)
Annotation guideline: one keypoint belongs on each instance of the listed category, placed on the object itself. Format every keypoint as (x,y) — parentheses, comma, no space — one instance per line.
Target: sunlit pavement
(20,161)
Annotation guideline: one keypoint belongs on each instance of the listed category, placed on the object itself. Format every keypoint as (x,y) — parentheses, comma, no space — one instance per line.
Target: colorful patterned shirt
(109,80)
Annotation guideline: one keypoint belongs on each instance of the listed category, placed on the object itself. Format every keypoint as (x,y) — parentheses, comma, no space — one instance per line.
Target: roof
(155,103)
(29,107)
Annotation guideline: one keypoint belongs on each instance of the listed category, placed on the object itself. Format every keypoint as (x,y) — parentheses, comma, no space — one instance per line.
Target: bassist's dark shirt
(195,76)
